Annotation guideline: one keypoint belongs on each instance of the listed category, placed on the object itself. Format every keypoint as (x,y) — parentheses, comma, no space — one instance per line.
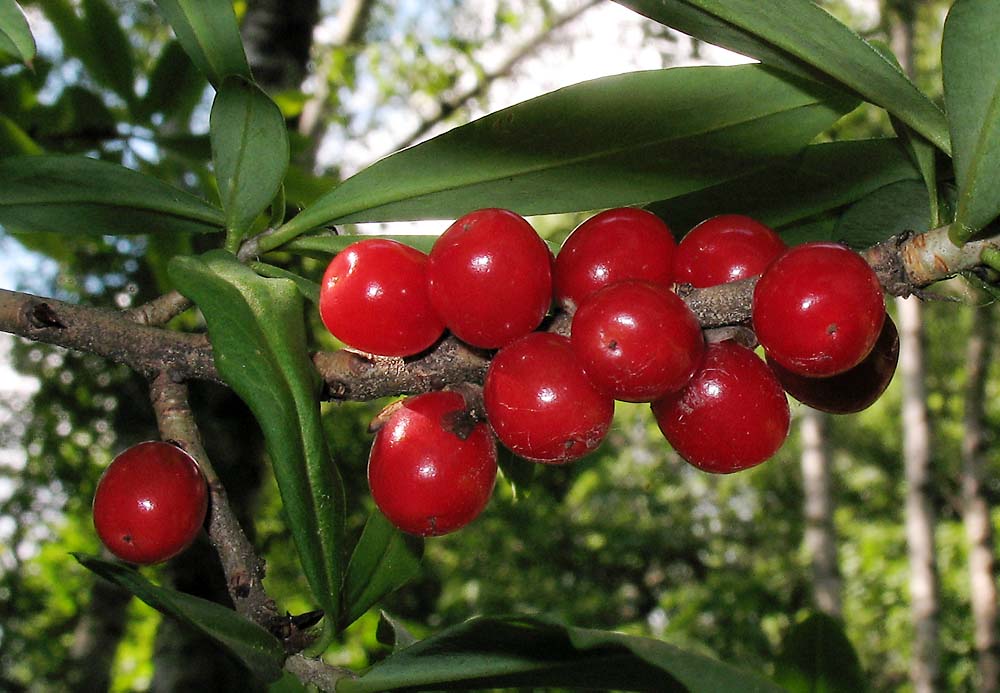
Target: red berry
(431,469)
(623,243)
(150,503)
(540,402)
(853,390)
(818,309)
(637,341)
(731,416)
(374,298)
(724,249)
(490,278)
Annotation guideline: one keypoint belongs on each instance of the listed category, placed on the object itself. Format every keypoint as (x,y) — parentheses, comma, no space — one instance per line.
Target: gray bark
(820,535)
(976,509)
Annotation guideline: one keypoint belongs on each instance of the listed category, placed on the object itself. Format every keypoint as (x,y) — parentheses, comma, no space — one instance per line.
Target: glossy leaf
(249,150)
(258,336)
(175,86)
(801,37)
(970,56)
(890,210)
(384,560)
(817,656)
(74,194)
(112,62)
(260,651)
(626,139)
(209,33)
(332,244)
(309,289)
(15,34)
(521,651)
(823,177)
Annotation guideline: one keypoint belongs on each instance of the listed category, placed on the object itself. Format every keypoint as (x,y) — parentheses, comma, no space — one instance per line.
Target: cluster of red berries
(818,311)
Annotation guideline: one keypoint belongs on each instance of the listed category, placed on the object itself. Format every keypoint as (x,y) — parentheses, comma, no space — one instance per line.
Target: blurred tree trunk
(277,35)
(925,664)
(820,536)
(976,509)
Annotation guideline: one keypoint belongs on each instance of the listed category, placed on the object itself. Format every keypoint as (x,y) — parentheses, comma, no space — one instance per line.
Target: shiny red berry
(724,249)
(731,416)
(490,278)
(818,309)
(374,298)
(150,503)
(431,469)
(623,243)
(540,402)
(853,390)
(637,341)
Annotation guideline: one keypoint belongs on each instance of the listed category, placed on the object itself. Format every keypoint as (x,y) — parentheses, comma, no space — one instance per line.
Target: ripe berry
(617,244)
(731,416)
(374,298)
(540,402)
(853,390)
(724,249)
(490,278)
(818,309)
(637,341)
(431,469)
(150,503)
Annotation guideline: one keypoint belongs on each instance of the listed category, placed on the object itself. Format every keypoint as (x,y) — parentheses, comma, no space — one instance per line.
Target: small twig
(160,310)
(316,672)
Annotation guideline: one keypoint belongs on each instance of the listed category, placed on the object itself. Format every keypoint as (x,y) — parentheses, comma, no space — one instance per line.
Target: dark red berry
(150,503)
(637,341)
(725,249)
(853,390)
(431,469)
(818,309)
(623,243)
(374,298)
(540,402)
(731,416)
(490,278)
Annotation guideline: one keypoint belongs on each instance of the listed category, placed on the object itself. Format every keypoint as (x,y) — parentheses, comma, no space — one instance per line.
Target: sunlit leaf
(15,34)
(74,194)
(970,59)
(209,33)
(260,651)
(257,330)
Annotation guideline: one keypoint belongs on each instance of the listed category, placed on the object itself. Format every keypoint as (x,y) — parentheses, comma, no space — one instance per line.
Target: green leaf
(518,471)
(72,32)
(970,60)
(260,651)
(15,141)
(209,33)
(627,139)
(392,633)
(113,64)
(384,560)
(249,149)
(258,336)
(333,244)
(890,210)
(521,651)
(74,194)
(15,34)
(175,86)
(817,656)
(309,289)
(79,116)
(803,39)
(823,177)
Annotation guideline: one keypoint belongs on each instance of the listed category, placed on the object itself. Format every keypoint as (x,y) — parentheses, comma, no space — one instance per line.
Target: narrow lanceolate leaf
(801,37)
(890,210)
(209,33)
(970,56)
(817,656)
(74,194)
(384,560)
(520,651)
(822,178)
(249,150)
(113,63)
(14,140)
(258,338)
(260,651)
(15,34)
(627,139)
